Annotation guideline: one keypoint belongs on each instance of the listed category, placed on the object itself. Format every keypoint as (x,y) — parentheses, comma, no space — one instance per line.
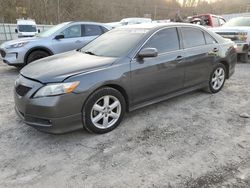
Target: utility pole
(58,11)
(155,14)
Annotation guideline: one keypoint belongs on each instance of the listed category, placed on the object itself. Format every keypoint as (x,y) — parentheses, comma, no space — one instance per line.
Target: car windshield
(115,43)
(52,30)
(27,28)
(238,22)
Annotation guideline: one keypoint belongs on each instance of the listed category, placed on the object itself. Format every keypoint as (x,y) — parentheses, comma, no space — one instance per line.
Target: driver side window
(72,32)
(165,40)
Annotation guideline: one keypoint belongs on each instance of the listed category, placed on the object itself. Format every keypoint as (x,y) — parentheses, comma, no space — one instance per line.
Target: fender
(37,48)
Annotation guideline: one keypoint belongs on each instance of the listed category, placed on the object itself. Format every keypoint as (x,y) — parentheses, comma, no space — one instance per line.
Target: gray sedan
(124,69)
(60,38)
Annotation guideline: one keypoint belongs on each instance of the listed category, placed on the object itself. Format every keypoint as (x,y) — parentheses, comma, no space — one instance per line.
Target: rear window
(92,30)
(192,37)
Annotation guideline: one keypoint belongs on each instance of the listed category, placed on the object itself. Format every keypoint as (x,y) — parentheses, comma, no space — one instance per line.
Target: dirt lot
(195,140)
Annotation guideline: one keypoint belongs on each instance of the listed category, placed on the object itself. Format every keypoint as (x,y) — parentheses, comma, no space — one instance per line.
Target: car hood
(28,39)
(230,29)
(59,67)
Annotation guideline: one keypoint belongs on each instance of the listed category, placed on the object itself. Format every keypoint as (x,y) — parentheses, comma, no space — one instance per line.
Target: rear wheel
(104,110)
(38,54)
(217,79)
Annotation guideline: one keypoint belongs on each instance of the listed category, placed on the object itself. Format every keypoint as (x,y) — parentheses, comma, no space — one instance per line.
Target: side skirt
(171,95)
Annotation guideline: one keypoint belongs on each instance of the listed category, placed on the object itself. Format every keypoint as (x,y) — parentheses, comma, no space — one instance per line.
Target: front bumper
(57,114)
(13,56)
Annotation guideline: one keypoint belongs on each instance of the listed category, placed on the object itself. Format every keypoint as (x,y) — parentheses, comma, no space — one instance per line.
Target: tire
(99,117)
(38,54)
(218,75)
(243,58)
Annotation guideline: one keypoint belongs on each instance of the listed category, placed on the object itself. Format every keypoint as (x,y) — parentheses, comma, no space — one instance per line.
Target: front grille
(227,33)
(3,53)
(22,90)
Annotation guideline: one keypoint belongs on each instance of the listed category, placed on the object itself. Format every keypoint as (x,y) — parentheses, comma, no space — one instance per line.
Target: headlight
(17,45)
(56,89)
(243,36)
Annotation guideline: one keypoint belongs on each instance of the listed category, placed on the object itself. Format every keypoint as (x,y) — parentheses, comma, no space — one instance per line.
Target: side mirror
(148,52)
(58,37)
(39,31)
(16,31)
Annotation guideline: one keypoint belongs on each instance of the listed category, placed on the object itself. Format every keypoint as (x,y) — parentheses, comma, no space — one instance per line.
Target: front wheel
(103,111)
(217,79)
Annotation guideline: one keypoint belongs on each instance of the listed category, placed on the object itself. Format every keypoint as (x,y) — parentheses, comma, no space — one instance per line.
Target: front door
(161,75)
(72,39)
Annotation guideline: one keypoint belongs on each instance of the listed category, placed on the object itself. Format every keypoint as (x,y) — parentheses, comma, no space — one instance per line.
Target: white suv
(60,38)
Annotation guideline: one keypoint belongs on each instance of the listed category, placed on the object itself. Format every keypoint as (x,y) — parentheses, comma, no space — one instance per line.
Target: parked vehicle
(26,28)
(238,30)
(208,20)
(60,38)
(125,69)
(131,21)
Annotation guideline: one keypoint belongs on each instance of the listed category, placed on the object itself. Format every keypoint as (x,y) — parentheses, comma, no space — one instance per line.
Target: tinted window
(104,29)
(164,41)
(115,43)
(192,37)
(72,31)
(92,30)
(209,39)
(27,28)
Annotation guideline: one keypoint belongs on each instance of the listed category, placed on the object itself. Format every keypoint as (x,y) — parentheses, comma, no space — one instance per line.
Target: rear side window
(192,37)
(92,30)
(209,39)
(165,40)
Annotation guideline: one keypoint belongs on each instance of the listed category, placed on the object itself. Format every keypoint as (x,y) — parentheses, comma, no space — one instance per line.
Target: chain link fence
(7,31)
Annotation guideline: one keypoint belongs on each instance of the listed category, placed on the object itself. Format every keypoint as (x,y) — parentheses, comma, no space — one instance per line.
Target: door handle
(179,58)
(215,50)
(78,41)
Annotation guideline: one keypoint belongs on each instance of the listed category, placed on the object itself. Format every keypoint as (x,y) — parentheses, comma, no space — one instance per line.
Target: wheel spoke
(215,84)
(98,108)
(105,121)
(114,105)
(98,118)
(221,77)
(106,101)
(114,115)
(214,79)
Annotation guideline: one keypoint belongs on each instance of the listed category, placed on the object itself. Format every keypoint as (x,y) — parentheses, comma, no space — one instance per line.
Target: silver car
(60,38)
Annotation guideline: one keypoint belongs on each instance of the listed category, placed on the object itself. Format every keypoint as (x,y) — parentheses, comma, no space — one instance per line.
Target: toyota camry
(124,69)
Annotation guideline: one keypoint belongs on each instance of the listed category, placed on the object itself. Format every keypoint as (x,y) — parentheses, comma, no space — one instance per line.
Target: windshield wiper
(89,52)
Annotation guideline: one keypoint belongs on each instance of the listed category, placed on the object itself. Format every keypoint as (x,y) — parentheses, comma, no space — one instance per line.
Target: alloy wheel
(106,112)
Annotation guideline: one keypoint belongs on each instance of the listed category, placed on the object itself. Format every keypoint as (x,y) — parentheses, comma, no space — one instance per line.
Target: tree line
(56,11)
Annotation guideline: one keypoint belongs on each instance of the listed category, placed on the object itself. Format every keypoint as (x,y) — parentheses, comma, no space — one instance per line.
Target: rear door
(157,76)
(201,51)
(90,32)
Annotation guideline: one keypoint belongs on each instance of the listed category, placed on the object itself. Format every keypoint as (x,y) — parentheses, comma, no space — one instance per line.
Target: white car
(238,30)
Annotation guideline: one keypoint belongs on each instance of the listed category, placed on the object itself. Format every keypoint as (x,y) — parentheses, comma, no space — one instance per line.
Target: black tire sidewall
(87,123)
(211,89)
(39,54)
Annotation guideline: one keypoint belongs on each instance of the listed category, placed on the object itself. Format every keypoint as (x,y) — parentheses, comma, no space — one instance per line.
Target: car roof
(152,26)
(85,22)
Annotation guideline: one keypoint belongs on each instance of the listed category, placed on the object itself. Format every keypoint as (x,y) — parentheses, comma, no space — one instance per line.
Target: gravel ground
(195,140)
